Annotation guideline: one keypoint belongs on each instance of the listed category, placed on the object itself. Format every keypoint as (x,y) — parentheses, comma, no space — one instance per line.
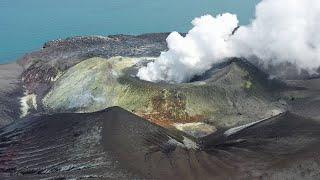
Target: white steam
(205,44)
(282,31)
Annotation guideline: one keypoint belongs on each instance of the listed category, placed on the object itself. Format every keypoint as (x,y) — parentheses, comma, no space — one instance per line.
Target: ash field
(76,109)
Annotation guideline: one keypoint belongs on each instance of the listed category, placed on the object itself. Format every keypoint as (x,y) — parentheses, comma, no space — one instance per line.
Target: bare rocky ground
(114,143)
(10,91)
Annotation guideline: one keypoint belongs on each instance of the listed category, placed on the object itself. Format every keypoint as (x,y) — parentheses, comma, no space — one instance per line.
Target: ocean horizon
(26,25)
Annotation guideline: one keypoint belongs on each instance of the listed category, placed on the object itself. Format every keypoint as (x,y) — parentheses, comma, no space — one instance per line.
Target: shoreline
(44,44)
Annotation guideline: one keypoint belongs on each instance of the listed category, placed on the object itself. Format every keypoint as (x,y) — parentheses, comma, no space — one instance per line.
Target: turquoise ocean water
(26,24)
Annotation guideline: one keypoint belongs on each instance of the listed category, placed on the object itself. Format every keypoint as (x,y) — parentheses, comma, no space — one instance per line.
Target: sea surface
(26,24)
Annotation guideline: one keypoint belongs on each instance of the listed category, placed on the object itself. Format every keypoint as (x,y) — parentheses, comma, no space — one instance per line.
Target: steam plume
(282,31)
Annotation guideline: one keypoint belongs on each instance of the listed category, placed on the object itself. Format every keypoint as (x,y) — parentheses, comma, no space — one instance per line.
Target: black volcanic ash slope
(114,143)
(10,91)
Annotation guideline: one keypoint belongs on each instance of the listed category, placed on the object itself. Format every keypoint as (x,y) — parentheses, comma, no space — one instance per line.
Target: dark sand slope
(306,100)
(10,92)
(286,146)
(114,143)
